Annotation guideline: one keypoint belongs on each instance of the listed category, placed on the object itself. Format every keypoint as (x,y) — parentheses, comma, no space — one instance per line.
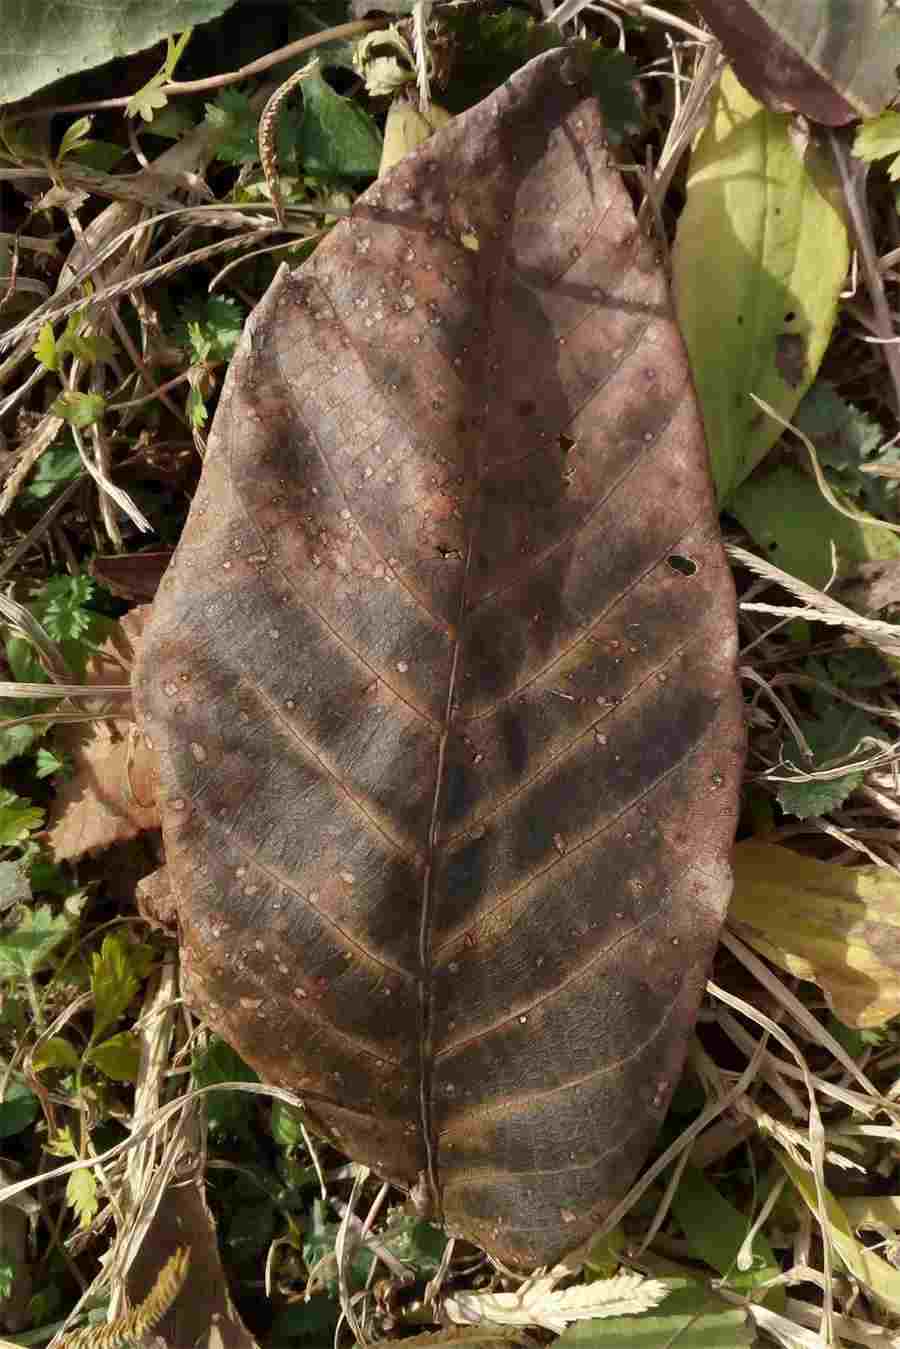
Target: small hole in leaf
(566,443)
(790,316)
(685,566)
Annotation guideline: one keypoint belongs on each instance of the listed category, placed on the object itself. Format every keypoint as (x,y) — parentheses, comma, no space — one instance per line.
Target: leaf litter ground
(781,1102)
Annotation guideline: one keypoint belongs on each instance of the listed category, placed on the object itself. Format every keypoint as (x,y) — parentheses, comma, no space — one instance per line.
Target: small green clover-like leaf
(114,981)
(118,1057)
(81,1194)
(57,1052)
(45,348)
(878,139)
(835,735)
(817,796)
(28,946)
(79,409)
(17,818)
(56,466)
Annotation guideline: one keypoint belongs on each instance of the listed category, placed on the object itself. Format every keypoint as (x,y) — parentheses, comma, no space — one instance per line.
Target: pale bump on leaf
(143,1318)
(538,1303)
(837,926)
(759,261)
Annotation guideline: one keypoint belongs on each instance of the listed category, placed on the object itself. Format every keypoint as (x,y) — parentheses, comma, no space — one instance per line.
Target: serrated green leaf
(17,818)
(16,740)
(114,981)
(118,1057)
(879,138)
(79,409)
(489,48)
(60,606)
(210,328)
(337,138)
(56,466)
(57,1052)
(43,40)
(28,946)
(691,1317)
(81,1195)
(319,1246)
(817,796)
(846,440)
(18,1109)
(88,347)
(759,261)
(233,118)
(45,348)
(794,526)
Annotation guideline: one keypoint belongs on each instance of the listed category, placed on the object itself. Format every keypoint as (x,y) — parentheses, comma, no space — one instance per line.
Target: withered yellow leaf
(838,926)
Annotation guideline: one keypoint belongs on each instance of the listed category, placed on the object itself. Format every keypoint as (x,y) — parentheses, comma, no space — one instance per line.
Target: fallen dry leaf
(838,926)
(442,679)
(111,795)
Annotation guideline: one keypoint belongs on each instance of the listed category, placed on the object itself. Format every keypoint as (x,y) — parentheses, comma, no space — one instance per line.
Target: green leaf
(416,1243)
(57,1052)
(17,818)
(60,605)
(845,440)
(79,409)
(100,155)
(690,1317)
(794,526)
(235,121)
(29,945)
(759,261)
(716,1230)
(43,40)
(118,1057)
(87,347)
(56,466)
(15,885)
(319,1244)
(613,76)
(81,1194)
(74,135)
(878,139)
(210,328)
(45,348)
(489,48)
(228,1111)
(16,740)
(832,737)
(286,1121)
(198,414)
(47,764)
(337,138)
(18,1109)
(149,99)
(114,981)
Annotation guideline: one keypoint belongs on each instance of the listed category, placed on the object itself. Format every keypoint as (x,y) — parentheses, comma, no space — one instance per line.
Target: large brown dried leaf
(443,680)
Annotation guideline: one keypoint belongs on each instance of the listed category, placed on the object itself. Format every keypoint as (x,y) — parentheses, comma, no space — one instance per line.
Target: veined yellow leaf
(838,926)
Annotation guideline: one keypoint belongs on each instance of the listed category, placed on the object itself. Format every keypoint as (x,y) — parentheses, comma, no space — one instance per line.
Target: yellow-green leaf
(81,1193)
(45,348)
(118,1057)
(759,261)
(73,136)
(114,982)
(881,1279)
(838,926)
(57,1052)
(407,127)
(79,409)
